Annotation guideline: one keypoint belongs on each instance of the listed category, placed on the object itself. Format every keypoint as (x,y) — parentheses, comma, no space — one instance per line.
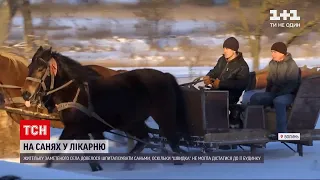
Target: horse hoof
(97,168)
(128,166)
(100,168)
(47,165)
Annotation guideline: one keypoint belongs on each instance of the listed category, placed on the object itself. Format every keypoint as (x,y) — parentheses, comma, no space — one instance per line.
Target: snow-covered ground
(32,172)
(280,163)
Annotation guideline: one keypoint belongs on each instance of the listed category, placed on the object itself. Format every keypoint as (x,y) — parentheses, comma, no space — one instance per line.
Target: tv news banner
(36,146)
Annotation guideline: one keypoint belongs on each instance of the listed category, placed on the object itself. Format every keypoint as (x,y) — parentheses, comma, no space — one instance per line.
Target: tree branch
(306,27)
(243,19)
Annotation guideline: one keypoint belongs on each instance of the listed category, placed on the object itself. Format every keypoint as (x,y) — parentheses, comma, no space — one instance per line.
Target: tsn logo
(34,130)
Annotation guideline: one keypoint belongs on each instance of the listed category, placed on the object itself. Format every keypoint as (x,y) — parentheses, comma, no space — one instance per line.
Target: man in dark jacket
(283,83)
(231,73)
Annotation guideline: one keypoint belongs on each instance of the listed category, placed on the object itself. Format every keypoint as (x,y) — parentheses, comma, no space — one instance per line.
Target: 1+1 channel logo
(34,130)
(292,15)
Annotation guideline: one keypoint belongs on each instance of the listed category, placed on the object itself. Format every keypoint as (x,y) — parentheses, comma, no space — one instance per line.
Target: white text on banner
(64,146)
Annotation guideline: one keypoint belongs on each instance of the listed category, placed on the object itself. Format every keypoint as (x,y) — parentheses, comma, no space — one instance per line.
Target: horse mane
(73,69)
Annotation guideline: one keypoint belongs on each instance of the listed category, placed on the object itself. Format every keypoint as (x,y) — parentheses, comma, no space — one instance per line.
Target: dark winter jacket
(284,77)
(233,75)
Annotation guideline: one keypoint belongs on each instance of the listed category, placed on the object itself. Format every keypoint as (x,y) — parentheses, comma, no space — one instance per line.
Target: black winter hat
(231,43)
(280,47)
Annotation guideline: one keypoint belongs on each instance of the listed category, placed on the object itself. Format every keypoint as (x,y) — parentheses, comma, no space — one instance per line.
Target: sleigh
(208,115)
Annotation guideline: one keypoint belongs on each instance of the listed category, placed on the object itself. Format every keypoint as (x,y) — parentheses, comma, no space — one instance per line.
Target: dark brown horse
(14,69)
(102,71)
(123,101)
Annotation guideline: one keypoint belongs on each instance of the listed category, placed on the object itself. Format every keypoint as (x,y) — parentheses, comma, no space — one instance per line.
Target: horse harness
(67,105)
(74,104)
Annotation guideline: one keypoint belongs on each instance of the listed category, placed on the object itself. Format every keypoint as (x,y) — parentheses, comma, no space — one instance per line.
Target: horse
(123,101)
(104,73)
(12,76)
(13,72)
(50,105)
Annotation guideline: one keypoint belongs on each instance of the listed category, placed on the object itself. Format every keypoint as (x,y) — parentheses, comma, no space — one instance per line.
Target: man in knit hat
(231,72)
(282,85)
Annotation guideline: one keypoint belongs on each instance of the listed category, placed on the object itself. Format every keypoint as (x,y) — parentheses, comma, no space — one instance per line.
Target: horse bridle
(60,106)
(66,105)
(41,81)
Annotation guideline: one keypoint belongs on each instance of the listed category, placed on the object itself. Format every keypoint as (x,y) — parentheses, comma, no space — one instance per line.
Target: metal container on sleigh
(207,111)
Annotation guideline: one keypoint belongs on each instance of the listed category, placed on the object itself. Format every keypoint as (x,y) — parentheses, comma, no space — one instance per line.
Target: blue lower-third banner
(215,157)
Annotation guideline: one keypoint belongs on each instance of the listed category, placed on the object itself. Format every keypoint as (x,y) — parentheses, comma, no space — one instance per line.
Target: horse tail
(181,110)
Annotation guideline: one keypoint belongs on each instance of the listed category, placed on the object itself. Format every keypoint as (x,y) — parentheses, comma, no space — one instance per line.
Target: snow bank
(33,172)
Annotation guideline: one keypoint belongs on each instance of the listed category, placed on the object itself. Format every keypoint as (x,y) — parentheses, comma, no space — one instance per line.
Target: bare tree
(194,54)
(153,13)
(307,26)
(28,27)
(254,36)
(8,9)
